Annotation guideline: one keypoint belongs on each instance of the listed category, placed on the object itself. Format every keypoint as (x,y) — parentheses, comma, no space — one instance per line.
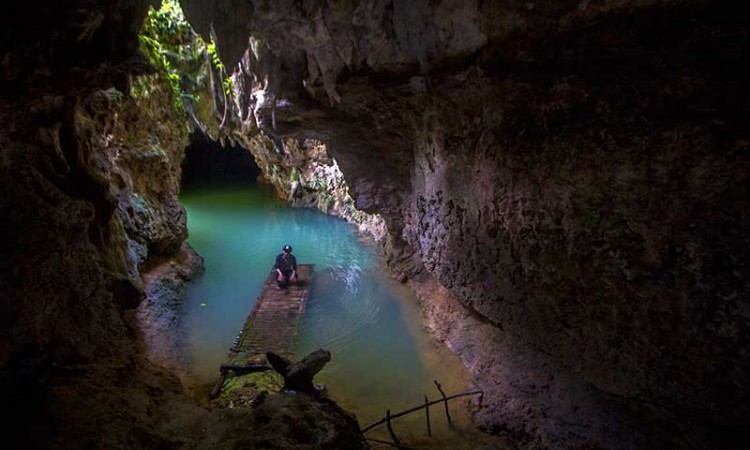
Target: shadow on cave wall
(208,164)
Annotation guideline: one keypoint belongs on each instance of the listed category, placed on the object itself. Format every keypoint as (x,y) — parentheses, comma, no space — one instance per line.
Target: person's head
(287,249)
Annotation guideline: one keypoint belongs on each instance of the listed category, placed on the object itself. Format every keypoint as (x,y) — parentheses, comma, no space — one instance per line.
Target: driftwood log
(298,376)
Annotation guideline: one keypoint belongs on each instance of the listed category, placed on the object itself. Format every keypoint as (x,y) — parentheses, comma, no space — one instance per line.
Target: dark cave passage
(208,163)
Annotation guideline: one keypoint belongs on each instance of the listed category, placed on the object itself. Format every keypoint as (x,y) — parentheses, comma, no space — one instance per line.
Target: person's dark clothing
(287,263)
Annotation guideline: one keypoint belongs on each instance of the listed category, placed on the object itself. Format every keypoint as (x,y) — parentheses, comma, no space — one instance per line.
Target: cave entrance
(209,164)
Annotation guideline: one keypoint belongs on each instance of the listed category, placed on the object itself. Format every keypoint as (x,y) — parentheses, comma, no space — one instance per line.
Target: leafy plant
(211,49)
(227,81)
(319,184)
(170,44)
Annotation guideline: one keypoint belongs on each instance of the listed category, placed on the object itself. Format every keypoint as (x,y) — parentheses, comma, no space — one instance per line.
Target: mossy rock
(248,390)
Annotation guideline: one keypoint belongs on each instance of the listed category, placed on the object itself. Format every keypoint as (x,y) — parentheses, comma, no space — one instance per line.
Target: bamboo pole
(445,400)
(390,429)
(217,387)
(427,413)
(417,408)
(241,370)
(380,441)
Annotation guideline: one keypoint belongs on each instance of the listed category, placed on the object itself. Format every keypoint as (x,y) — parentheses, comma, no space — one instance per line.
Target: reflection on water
(357,316)
(379,357)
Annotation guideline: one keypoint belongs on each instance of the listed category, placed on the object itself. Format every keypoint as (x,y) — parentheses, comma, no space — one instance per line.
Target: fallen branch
(239,370)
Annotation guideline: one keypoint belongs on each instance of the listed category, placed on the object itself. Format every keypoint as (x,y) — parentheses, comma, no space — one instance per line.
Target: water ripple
(352,312)
(341,311)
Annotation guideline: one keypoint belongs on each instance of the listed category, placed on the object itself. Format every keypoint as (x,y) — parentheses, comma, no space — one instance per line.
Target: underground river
(381,356)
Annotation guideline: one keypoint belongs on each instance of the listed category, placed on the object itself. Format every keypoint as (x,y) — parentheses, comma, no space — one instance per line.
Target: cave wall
(94,261)
(574,174)
(88,191)
(68,266)
(599,214)
(91,178)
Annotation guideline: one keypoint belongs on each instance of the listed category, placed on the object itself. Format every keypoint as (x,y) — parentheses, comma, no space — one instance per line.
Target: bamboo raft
(273,324)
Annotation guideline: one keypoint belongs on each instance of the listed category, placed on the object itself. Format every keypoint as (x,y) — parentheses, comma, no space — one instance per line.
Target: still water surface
(381,358)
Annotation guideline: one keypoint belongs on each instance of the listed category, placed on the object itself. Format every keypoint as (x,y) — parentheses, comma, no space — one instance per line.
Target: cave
(564,185)
(209,164)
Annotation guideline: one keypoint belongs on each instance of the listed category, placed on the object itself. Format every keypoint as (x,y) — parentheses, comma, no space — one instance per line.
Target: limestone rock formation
(283,421)
(566,183)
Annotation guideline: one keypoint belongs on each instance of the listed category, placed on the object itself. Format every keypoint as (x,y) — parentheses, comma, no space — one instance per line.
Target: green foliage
(185,64)
(171,45)
(227,82)
(319,184)
(211,49)
(294,175)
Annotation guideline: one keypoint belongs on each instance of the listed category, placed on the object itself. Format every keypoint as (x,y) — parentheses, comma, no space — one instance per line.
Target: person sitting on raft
(285,267)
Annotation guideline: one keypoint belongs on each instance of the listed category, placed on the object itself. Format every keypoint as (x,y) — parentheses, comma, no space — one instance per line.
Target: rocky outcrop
(283,421)
(146,147)
(571,173)
(160,313)
(81,210)
(304,175)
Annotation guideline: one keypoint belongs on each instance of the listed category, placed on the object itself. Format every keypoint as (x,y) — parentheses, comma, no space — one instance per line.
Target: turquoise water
(368,322)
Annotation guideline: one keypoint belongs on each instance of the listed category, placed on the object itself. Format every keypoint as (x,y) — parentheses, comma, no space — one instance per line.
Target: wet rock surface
(159,315)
